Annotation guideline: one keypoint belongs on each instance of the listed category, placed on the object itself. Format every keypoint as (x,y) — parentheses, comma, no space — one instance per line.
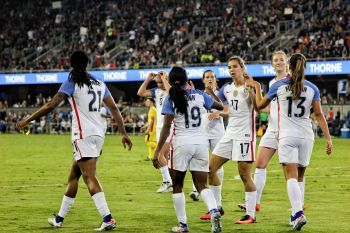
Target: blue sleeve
(168,108)
(315,89)
(221,95)
(208,101)
(153,92)
(67,87)
(272,93)
(107,92)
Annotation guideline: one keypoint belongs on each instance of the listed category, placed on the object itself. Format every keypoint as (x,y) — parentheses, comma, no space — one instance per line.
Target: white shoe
(106,226)
(299,222)
(216,222)
(194,195)
(165,187)
(180,228)
(53,223)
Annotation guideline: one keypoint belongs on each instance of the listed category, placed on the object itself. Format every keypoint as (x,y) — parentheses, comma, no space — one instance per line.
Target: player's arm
(164,134)
(316,104)
(143,88)
(150,125)
(163,76)
(45,109)
(109,101)
(263,103)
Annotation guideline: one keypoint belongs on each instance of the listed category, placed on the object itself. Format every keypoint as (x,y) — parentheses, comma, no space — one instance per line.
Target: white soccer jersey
(86,104)
(241,124)
(159,96)
(214,129)
(189,128)
(273,120)
(294,115)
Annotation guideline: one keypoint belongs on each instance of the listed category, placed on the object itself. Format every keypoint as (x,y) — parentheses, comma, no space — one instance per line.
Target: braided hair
(78,75)
(177,93)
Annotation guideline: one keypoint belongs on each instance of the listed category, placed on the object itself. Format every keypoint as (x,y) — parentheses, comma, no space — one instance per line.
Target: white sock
(250,198)
(259,180)
(220,173)
(101,204)
(208,198)
(66,204)
(294,195)
(194,188)
(302,189)
(180,207)
(217,194)
(165,174)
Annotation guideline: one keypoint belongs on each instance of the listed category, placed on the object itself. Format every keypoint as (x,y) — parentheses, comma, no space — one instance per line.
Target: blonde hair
(240,62)
(298,66)
(284,55)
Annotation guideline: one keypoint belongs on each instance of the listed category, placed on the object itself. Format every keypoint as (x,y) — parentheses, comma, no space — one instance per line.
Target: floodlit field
(34,169)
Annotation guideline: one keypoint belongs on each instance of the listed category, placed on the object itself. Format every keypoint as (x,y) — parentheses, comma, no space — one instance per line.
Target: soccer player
(159,93)
(269,142)
(150,133)
(296,97)
(85,94)
(238,142)
(190,145)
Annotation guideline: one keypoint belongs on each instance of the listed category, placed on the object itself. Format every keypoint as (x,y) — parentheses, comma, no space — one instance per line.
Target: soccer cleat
(216,226)
(243,207)
(291,221)
(54,222)
(194,195)
(107,226)
(246,219)
(165,187)
(207,215)
(299,220)
(182,227)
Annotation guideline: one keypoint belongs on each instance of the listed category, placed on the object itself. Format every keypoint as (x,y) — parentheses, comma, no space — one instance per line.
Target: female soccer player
(296,97)
(150,133)
(85,94)
(268,144)
(159,93)
(238,143)
(190,146)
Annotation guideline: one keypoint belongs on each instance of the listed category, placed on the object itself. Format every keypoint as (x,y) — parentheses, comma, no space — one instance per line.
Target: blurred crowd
(157,31)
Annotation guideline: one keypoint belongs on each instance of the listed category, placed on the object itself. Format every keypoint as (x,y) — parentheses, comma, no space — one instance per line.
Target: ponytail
(177,93)
(298,67)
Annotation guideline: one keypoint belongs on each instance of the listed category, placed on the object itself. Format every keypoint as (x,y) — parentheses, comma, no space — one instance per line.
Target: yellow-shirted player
(150,133)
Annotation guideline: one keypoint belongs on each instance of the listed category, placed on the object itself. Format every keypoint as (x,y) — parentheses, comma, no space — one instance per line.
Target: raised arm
(143,88)
(109,101)
(316,104)
(45,109)
(164,77)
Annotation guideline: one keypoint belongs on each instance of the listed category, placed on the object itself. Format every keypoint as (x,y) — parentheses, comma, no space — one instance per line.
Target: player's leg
(301,183)
(166,185)
(245,171)
(69,196)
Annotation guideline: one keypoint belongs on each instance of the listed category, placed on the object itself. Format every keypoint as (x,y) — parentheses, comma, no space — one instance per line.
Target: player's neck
(238,81)
(280,75)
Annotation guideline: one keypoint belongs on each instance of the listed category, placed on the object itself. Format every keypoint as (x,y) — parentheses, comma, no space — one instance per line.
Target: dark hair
(79,61)
(177,80)
(216,84)
(152,100)
(297,64)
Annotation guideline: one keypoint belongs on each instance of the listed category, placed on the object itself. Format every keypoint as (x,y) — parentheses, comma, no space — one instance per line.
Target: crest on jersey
(235,93)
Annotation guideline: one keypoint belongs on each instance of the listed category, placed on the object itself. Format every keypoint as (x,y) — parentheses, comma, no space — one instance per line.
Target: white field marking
(236,177)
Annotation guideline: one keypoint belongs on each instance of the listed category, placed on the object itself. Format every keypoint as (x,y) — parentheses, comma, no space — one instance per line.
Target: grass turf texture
(34,171)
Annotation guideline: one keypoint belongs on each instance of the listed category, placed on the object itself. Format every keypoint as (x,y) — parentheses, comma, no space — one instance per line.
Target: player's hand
(126,141)
(151,76)
(329,147)
(163,74)
(214,115)
(20,125)
(155,160)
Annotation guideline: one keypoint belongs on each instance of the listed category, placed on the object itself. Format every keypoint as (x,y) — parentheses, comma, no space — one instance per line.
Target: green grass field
(34,169)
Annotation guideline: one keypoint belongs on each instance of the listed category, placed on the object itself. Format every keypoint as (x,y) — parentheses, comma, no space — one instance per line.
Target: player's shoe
(243,207)
(182,227)
(291,221)
(107,226)
(299,220)
(56,221)
(194,195)
(246,219)
(165,187)
(207,215)
(216,226)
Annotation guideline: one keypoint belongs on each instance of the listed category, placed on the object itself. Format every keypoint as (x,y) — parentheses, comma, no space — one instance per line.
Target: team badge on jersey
(235,93)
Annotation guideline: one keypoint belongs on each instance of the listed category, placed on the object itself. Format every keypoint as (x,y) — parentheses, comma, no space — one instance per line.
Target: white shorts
(158,130)
(87,147)
(194,157)
(236,150)
(295,150)
(212,143)
(269,140)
